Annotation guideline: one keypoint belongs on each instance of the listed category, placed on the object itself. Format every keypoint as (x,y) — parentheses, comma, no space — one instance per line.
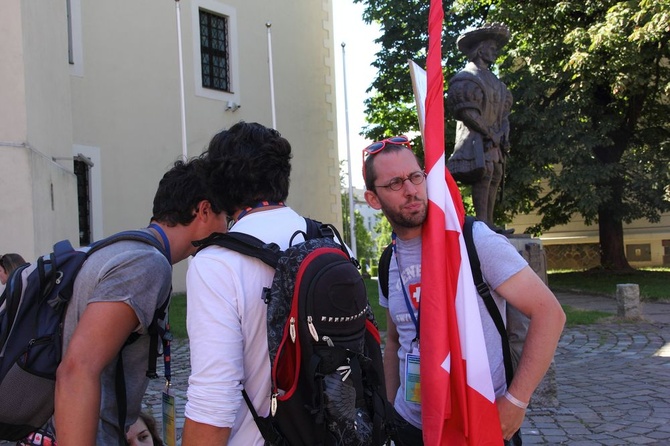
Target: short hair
(369,172)
(11,261)
(179,192)
(248,163)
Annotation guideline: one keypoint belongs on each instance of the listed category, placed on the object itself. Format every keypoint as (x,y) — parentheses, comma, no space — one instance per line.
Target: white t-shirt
(226,323)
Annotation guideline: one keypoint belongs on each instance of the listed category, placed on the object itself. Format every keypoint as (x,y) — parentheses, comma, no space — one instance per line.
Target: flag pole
(184,145)
(352,221)
(268,25)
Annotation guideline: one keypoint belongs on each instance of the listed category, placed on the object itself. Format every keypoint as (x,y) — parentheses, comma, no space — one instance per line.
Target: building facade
(91,106)
(576,245)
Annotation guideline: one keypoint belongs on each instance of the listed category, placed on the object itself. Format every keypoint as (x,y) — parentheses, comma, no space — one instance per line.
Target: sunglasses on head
(378,146)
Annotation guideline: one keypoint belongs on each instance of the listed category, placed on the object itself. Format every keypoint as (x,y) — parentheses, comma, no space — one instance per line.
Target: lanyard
(410,308)
(166,241)
(261,204)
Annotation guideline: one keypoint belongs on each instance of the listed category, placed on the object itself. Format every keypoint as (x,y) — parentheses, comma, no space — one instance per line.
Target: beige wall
(38,203)
(119,104)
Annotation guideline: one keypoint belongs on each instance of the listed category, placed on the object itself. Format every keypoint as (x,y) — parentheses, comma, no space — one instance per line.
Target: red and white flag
(458,401)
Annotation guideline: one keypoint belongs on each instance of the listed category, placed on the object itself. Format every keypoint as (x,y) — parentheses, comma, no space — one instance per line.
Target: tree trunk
(612,254)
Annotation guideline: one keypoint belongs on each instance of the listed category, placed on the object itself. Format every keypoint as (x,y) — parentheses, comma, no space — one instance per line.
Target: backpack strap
(268,431)
(244,244)
(485,293)
(383,269)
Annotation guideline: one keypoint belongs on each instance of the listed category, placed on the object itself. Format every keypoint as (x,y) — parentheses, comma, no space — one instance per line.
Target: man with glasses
(395,183)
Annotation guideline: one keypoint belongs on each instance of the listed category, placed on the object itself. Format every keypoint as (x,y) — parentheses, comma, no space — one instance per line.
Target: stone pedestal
(628,300)
(545,396)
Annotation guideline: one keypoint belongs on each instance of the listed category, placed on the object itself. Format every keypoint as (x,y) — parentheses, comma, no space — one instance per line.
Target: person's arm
(217,352)
(530,295)
(391,362)
(201,434)
(99,336)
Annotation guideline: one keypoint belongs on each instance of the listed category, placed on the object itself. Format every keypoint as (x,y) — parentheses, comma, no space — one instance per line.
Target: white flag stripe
(467,309)
(470,328)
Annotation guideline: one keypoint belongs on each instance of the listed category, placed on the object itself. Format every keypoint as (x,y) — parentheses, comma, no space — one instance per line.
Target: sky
(359,52)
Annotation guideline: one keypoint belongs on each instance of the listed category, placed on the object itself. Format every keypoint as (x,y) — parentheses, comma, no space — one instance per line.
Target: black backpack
(326,364)
(32,308)
(512,336)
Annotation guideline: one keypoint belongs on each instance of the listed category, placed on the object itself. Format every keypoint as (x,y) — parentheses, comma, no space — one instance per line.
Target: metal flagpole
(268,25)
(184,145)
(352,215)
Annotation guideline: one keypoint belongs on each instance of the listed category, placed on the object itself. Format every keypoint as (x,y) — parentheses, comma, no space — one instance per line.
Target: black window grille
(82,171)
(214,51)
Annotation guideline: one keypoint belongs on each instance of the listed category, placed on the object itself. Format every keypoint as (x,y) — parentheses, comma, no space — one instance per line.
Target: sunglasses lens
(375,147)
(398,139)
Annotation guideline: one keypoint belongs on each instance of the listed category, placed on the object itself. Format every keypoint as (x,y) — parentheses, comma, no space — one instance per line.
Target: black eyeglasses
(397,183)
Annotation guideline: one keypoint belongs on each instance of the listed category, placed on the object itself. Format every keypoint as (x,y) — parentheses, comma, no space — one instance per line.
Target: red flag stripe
(457,395)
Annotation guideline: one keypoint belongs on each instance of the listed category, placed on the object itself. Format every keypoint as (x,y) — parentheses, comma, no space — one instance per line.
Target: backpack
(32,309)
(326,363)
(513,336)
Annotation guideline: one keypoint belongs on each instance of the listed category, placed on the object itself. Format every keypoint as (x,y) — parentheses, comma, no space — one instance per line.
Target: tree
(384,229)
(591,82)
(365,246)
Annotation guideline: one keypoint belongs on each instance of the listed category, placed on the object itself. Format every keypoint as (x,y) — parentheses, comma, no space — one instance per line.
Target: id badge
(169,417)
(412,377)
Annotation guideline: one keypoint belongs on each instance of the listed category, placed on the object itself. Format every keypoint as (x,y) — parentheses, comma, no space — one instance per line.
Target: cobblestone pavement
(613,381)
(613,387)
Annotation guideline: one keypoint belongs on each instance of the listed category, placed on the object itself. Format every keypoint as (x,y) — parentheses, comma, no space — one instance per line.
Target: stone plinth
(628,300)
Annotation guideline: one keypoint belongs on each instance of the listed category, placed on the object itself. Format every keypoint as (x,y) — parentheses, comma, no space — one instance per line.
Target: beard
(407,218)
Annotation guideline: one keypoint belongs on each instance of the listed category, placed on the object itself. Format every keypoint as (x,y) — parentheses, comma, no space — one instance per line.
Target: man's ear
(372,199)
(203,210)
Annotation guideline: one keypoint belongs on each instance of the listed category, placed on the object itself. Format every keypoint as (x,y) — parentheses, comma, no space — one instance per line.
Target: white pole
(352,219)
(268,25)
(184,145)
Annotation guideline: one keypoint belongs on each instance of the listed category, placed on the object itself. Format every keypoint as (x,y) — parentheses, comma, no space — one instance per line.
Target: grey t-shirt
(139,275)
(499,261)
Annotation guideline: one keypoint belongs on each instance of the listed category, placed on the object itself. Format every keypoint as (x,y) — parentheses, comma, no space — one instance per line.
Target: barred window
(214,51)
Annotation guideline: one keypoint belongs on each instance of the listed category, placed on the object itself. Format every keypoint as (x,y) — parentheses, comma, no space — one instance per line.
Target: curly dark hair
(248,163)
(179,192)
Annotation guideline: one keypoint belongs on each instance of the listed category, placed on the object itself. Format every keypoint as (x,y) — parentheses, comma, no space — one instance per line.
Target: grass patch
(654,283)
(575,316)
(178,316)
(373,298)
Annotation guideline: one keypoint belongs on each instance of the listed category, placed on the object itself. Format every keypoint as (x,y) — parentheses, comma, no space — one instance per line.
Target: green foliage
(365,246)
(591,84)
(383,228)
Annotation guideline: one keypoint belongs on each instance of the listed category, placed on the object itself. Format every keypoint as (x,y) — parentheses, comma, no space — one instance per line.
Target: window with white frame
(215,50)
(214,60)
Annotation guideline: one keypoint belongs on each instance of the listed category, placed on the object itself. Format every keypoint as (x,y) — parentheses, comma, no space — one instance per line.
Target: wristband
(516,402)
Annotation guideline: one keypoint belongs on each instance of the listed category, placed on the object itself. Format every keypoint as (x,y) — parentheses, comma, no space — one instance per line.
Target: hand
(511,417)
